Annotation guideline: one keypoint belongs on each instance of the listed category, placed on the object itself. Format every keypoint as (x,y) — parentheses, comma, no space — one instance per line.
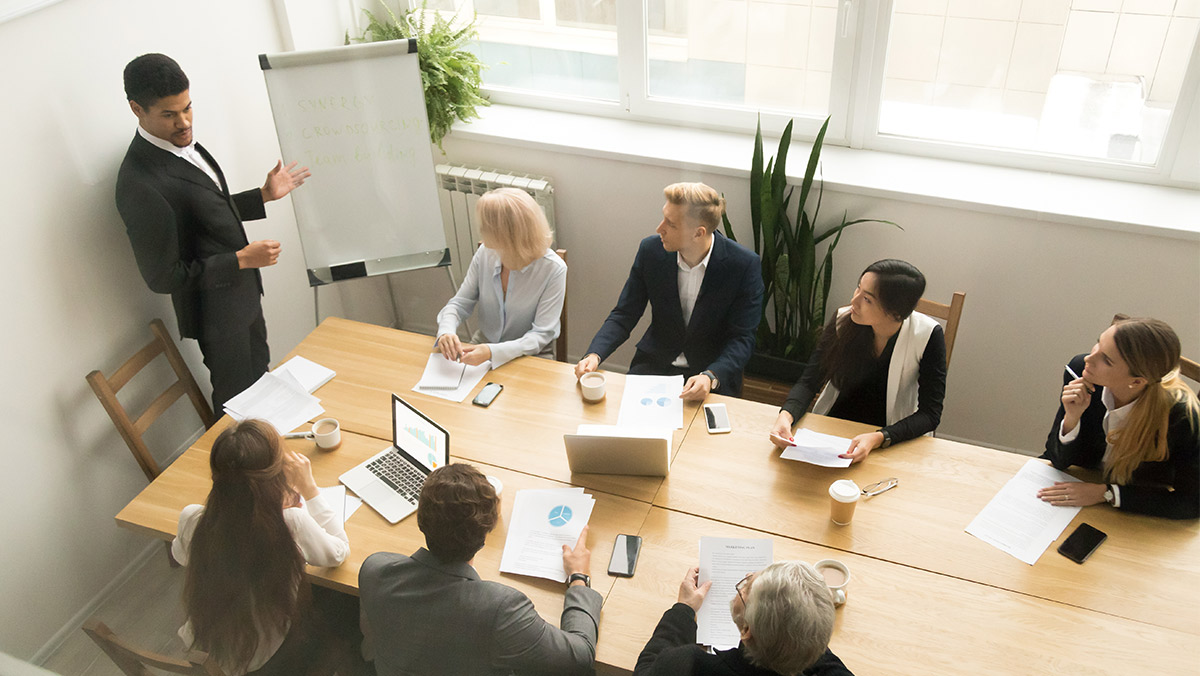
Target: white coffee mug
(327,433)
(837,576)
(592,385)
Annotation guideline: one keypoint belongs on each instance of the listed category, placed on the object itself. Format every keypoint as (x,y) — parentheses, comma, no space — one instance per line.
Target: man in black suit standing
(186,227)
(705,293)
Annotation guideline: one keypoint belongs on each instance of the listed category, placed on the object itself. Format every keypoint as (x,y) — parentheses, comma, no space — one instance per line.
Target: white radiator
(461,188)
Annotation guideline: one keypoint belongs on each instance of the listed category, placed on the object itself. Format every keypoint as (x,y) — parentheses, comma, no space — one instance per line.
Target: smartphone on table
(487,395)
(625,555)
(716,417)
(1080,544)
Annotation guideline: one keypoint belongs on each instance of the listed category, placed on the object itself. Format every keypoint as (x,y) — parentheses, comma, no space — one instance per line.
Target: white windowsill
(1043,196)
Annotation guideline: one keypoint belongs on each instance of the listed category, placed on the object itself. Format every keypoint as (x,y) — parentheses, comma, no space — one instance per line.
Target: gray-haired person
(783,612)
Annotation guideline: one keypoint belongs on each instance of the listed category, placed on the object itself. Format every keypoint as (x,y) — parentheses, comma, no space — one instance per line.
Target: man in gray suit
(431,613)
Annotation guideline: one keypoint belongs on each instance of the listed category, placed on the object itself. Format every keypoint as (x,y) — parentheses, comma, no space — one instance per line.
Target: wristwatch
(1109,496)
(587,580)
(887,438)
(713,377)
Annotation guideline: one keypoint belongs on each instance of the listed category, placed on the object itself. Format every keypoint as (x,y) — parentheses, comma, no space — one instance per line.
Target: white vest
(903,369)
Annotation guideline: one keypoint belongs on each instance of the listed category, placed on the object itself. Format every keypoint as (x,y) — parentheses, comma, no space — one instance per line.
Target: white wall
(76,299)
(1037,292)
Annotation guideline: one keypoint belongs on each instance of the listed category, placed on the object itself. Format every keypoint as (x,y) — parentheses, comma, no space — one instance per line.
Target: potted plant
(796,286)
(450,74)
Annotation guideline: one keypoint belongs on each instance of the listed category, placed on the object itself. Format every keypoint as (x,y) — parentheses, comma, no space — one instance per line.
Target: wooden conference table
(925,597)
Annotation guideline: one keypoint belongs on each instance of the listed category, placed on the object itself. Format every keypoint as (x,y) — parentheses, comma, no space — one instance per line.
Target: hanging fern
(450,74)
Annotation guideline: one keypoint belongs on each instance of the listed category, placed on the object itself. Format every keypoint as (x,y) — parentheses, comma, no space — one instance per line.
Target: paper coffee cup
(327,433)
(592,385)
(837,576)
(843,498)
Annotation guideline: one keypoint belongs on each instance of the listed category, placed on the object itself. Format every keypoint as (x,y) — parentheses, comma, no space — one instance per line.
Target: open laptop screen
(418,436)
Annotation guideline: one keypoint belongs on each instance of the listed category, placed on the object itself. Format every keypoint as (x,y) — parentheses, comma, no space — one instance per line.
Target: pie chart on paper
(560,516)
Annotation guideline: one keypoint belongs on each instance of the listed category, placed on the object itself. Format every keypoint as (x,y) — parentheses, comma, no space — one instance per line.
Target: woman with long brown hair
(1125,411)
(878,362)
(246,595)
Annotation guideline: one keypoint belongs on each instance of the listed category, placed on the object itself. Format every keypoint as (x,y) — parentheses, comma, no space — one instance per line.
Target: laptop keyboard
(396,472)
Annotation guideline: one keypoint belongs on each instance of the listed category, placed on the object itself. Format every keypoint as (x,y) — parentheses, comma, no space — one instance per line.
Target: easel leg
(316,307)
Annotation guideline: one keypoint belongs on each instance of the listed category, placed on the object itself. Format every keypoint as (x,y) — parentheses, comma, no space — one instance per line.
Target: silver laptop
(611,449)
(390,481)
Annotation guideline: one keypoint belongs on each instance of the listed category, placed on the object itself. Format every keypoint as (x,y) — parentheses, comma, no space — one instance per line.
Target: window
(1101,87)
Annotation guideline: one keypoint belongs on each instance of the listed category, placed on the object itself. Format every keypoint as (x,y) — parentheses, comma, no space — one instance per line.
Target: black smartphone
(1079,545)
(625,555)
(487,395)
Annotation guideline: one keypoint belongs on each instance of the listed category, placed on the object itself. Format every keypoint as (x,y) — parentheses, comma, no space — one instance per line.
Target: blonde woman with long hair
(1126,412)
(515,282)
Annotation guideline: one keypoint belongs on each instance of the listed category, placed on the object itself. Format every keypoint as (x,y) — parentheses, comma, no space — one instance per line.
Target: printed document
(725,561)
(345,504)
(1016,521)
(542,522)
(278,399)
(450,379)
(652,401)
(818,449)
(308,374)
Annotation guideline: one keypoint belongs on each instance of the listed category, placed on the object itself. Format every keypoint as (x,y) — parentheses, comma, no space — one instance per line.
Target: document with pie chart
(542,521)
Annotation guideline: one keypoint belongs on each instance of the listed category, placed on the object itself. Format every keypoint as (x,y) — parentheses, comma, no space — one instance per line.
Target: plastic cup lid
(844,490)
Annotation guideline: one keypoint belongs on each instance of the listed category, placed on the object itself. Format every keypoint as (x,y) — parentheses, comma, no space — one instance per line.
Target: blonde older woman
(515,282)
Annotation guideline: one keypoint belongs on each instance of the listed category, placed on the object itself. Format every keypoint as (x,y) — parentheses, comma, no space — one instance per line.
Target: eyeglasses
(880,487)
(740,585)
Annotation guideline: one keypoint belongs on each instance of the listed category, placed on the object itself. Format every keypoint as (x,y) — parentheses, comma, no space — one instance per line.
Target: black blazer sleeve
(806,389)
(931,392)
(744,317)
(625,315)
(671,650)
(154,233)
(1087,450)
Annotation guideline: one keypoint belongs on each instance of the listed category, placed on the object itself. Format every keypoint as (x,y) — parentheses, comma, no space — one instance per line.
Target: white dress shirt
(187,152)
(523,321)
(690,280)
(1114,419)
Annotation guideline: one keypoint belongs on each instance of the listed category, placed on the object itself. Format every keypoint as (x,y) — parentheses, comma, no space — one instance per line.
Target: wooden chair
(560,343)
(951,314)
(132,430)
(1187,368)
(135,662)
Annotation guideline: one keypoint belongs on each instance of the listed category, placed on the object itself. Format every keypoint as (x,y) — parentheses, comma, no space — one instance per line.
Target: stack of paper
(309,374)
(450,379)
(1017,521)
(818,449)
(725,561)
(277,398)
(652,401)
(542,522)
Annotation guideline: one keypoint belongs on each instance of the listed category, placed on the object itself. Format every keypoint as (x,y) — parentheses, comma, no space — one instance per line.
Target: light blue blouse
(526,322)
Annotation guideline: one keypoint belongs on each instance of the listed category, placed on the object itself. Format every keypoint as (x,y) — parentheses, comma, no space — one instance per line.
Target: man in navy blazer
(186,227)
(705,294)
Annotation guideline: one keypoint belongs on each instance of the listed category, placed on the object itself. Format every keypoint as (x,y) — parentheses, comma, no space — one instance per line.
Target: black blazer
(1169,488)
(721,333)
(186,233)
(672,651)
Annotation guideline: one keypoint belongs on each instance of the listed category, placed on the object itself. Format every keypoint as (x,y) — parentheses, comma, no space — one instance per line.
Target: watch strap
(586,579)
(711,376)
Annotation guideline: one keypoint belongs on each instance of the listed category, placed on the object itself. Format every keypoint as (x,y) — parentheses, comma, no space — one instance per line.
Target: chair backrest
(560,343)
(1187,368)
(951,314)
(134,662)
(132,429)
